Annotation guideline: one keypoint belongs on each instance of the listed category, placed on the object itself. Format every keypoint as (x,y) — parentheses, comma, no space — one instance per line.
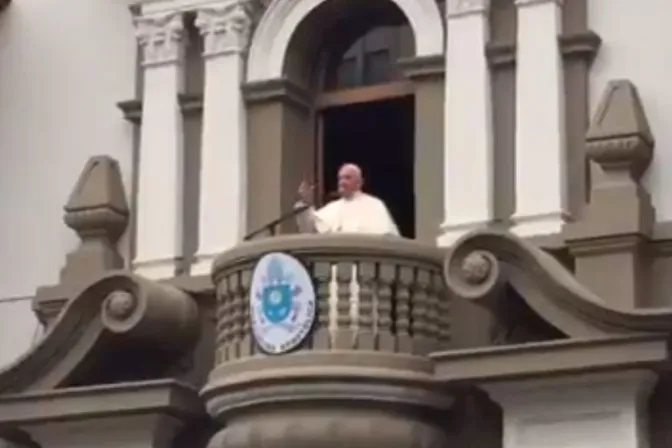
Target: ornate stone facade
(517,330)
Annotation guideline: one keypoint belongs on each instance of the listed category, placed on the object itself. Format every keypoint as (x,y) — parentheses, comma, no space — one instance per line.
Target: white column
(583,411)
(468,171)
(160,186)
(540,112)
(223,180)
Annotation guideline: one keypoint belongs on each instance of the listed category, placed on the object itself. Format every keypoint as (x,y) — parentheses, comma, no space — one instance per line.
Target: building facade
(149,148)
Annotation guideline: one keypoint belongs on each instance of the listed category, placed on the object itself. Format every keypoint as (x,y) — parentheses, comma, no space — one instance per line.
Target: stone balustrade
(378,294)
(381,306)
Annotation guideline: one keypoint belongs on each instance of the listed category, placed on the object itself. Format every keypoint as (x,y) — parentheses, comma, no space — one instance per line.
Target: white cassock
(361,213)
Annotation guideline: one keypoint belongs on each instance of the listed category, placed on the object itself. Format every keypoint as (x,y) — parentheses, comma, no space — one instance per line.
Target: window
(371,59)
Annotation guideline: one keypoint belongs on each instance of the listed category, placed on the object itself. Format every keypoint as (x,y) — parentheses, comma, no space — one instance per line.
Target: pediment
(120,328)
(521,285)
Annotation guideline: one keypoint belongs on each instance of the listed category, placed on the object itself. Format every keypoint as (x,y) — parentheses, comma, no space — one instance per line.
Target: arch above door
(272,37)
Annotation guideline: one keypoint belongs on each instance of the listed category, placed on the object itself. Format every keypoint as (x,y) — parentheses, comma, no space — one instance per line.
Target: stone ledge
(544,359)
(189,104)
(168,397)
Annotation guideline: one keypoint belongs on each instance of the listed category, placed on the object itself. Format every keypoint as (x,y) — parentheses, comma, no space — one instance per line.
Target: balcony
(380,307)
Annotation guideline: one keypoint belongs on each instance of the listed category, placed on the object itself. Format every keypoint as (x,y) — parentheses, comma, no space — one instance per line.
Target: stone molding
(162,321)
(524,3)
(419,69)
(161,37)
(545,285)
(140,414)
(110,400)
(579,45)
(552,358)
(271,39)
(280,89)
(461,8)
(531,395)
(190,104)
(225,29)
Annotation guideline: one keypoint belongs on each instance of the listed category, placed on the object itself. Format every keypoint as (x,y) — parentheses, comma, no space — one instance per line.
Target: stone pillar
(540,129)
(160,184)
(427,74)
(468,163)
(595,410)
(609,242)
(223,189)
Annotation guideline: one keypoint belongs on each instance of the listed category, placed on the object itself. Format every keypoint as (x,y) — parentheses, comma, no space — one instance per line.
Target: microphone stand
(272,226)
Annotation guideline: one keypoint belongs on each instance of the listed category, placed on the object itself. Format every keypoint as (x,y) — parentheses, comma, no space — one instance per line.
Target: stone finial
(609,240)
(98,212)
(619,138)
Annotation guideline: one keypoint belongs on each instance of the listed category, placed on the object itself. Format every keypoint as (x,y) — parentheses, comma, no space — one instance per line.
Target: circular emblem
(282,303)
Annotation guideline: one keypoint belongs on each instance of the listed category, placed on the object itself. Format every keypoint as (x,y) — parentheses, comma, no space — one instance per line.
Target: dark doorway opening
(379,137)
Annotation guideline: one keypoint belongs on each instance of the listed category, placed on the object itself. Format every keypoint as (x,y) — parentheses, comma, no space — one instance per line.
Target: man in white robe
(354,212)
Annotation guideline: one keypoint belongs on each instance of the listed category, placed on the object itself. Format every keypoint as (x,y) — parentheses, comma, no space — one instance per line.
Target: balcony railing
(373,293)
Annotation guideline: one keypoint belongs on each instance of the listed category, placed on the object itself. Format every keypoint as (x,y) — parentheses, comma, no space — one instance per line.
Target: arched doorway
(324,84)
(365,110)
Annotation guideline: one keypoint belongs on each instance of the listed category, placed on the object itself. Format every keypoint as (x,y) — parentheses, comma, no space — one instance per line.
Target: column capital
(461,8)
(161,38)
(225,28)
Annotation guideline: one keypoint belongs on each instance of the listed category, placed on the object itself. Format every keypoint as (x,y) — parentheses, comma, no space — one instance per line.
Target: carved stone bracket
(479,266)
(151,321)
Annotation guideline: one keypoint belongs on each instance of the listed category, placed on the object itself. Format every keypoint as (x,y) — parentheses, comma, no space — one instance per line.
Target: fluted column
(223,189)
(468,121)
(540,129)
(160,184)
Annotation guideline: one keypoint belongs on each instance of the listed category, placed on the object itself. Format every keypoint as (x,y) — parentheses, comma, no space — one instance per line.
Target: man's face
(348,182)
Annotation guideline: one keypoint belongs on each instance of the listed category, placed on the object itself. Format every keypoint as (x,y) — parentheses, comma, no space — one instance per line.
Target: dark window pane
(371,59)
(377,67)
(347,74)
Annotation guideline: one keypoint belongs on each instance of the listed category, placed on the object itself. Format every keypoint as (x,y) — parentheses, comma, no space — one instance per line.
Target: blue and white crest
(282,303)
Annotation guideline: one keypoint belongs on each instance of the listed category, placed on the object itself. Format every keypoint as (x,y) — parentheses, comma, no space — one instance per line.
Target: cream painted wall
(63,67)
(637,44)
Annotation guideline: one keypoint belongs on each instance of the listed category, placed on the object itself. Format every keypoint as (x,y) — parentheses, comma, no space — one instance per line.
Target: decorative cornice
(500,54)
(461,8)
(189,104)
(161,38)
(523,3)
(225,29)
(277,90)
(584,46)
(423,67)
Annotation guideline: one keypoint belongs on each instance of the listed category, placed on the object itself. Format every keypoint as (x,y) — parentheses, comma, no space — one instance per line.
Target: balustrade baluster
(322,277)
(386,279)
(403,307)
(345,336)
(366,271)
